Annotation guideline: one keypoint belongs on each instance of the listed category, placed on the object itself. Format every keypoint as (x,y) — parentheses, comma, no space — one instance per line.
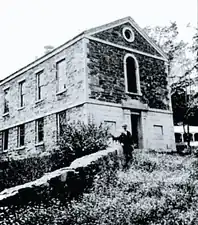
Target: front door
(135,129)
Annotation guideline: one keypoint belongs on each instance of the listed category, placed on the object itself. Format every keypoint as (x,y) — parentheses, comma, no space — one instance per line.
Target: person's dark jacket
(125,139)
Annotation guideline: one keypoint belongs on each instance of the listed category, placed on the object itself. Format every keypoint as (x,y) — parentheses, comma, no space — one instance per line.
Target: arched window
(131,70)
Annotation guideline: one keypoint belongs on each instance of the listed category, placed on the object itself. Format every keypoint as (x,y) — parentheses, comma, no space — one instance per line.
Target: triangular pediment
(113,33)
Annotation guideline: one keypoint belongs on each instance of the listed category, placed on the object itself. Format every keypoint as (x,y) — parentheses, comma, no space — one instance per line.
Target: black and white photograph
(98,112)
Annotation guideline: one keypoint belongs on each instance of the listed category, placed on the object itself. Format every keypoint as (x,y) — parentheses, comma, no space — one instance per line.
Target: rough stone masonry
(96,77)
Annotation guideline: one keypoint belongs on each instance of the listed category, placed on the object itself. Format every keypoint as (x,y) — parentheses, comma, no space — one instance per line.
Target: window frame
(5,100)
(136,74)
(21,94)
(39,96)
(58,115)
(195,136)
(4,132)
(58,91)
(132,35)
(161,135)
(111,124)
(37,139)
(19,136)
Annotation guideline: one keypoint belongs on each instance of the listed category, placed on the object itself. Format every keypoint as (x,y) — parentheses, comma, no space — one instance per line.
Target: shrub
(77,139)
(16,172)
(80,139)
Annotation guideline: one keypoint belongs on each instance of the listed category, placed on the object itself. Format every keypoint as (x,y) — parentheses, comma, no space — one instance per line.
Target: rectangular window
(61,75)
(111,125)
(21,93)
(61,121)
(6,101)
(5,134)
(39,84)
(158,132)
(39,130)
(21,135)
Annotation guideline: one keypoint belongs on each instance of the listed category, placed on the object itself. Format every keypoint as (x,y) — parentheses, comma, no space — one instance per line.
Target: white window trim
(6,114)
(19,138)
(39,144)
(132,34)
(3,140)
(6,89)
(160,136)
(58,124)
(20,148)
(136,73)
(58,92)
(36,74)
(21,83)
(36,137)
(58,121)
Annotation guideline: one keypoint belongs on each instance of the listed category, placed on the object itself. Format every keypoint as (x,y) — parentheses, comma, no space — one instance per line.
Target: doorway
(135,128)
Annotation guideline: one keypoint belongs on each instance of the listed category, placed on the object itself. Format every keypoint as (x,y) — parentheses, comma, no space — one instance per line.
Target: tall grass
(157,189)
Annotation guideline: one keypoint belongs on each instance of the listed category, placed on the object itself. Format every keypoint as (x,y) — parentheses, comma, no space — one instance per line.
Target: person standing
(126,140)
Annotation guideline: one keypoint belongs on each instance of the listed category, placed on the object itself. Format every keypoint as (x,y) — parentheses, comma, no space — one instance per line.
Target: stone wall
(64,183)
(114,35)
(106,76)
(74,94)
(150,124)
(51,103)
(31,148)
(158,130)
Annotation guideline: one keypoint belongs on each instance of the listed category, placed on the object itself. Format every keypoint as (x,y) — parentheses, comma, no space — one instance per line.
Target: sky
(28,25)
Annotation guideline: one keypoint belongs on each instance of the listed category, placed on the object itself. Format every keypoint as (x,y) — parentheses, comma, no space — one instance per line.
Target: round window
(128,34)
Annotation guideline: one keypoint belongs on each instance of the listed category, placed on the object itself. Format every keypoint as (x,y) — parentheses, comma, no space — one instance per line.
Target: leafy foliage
(77,140)
(167,38)
(182,65)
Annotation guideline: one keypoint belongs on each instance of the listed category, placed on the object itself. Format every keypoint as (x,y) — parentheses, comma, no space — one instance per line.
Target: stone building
(110,73)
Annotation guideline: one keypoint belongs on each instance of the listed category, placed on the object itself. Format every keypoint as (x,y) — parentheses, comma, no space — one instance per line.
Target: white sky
(28,25)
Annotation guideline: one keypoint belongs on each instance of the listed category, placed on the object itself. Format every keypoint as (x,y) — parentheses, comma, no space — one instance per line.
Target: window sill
(38,101)
(20,148)
(6,114)
(39,144)
(133,93)
(20,108)
(5,151)
(61,92)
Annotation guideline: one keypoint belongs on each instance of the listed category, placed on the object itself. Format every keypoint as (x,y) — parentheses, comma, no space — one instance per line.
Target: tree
(167,38)
(181,65)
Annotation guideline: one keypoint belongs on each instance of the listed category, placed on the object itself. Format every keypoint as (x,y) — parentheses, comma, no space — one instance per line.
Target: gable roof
(78,37)
(133,24)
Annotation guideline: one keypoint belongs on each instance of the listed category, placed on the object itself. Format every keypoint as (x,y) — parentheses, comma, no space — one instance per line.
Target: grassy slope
(157,189)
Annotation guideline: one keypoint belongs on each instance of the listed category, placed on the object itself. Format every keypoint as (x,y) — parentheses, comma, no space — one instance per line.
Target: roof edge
(135,25)
(43,58)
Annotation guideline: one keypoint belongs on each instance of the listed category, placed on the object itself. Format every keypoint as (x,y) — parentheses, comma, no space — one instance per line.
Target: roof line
(77,38)
(135,25)
(43,57)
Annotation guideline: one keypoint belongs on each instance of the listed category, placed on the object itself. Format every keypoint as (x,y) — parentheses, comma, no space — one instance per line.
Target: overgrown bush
(16,172)
(80,139)
(77,139)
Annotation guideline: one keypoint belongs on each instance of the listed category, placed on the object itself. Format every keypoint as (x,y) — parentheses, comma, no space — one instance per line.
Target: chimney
(48,48)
